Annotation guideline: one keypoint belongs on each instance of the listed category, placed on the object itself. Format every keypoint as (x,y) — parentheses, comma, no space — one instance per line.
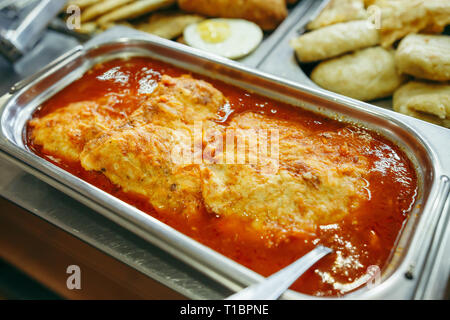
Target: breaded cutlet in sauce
(335,183)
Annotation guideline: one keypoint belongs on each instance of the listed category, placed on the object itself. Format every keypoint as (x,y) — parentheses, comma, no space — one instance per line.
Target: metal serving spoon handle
(274,286)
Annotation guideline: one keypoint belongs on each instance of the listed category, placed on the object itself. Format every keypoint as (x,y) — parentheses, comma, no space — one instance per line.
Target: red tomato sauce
(360,240)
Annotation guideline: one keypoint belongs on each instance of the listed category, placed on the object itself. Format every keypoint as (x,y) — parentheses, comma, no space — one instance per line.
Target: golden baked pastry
(402,17)
(364,75)
(334,40)
(399,18)
(339,11)
(425,56)
(438,15)
(427,101)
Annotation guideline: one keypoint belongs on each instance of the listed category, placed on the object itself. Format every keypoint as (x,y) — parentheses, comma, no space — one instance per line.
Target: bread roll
(268,14)
(334,40)
(339,11)
(425,56)
(364,75)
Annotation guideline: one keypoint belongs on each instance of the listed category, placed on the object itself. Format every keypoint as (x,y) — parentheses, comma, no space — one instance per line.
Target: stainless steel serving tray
(426,145)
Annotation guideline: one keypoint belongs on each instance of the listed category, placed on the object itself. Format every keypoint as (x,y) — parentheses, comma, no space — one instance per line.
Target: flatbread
(364,75)
(334,40)
(425,100)
(135,9)
(425,56)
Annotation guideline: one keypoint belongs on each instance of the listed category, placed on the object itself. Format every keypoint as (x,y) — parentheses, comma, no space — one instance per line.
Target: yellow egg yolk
(214,31)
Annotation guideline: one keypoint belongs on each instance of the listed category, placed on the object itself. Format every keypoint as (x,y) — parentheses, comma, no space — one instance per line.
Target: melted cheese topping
(327,182)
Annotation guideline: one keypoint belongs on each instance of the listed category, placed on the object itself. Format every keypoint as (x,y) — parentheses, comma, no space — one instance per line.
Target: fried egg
(230,38)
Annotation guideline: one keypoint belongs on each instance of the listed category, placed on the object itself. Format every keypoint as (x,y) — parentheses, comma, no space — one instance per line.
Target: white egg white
(245,36)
